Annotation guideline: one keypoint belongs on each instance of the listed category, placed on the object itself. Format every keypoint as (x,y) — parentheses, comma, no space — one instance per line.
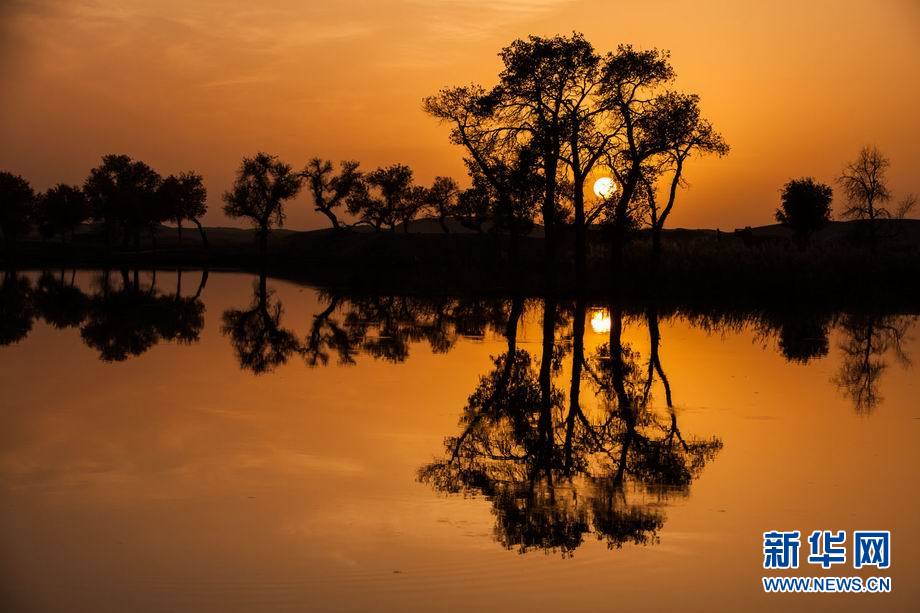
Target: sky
(796,88)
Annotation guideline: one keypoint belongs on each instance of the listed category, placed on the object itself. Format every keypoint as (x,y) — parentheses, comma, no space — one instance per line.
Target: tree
(547,88)
(184,197)
(122,195)
(474,206)
(568,110)
(441,199)
(865,185)
(16,202)
(60,210)
(386,197)
(632,80)
(331,191)
(907,204)
(806,207)
(544,83)
(677,119)
(263,184)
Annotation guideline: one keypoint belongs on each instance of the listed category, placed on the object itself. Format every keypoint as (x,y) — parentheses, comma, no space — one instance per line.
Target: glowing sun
(605,188)
(600,321)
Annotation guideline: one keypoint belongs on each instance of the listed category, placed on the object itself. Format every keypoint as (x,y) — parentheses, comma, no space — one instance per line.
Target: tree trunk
(263,238)
(581,247)
(332,218)
(202,283)
(179,228)
(204,237)
(578,195)
(550,166)
(263,289)
(545,377)
(578,351)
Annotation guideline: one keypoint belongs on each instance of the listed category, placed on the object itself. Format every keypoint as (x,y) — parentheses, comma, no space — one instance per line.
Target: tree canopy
(805,207)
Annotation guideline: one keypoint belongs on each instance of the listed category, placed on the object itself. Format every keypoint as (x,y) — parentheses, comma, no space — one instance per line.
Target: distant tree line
(806,204)
(385,198)
(126,197)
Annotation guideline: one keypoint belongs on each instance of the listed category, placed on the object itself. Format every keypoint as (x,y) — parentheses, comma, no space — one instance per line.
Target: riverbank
(758,264)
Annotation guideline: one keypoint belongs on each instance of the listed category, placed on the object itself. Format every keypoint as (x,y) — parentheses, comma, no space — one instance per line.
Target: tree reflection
(16,309)
(326,334)
(126,321)
(866,340)
(59,302)
(260,342)
(555,473)
(804,338)
(123,318)
(119,321)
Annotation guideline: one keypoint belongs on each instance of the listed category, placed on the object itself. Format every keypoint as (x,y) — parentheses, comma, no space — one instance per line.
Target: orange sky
(795,87)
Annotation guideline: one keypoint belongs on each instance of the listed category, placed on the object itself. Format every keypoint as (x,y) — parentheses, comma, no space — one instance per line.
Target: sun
(600,321)
(605,188)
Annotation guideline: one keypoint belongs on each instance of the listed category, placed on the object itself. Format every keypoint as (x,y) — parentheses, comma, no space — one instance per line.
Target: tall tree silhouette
(526,108)
(632,81)
(544,89)
(677,118)
(263,184)
(330,191)
(184,197)
(865,185)
(570,111)
(16,204)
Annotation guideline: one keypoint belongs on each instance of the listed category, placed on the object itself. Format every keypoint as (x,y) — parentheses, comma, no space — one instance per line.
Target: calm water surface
(269,446)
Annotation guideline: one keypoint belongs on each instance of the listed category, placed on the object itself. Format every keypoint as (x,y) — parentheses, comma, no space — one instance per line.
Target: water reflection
(556,469)
(867,340)
(16,309)
(119,319)
(259,340)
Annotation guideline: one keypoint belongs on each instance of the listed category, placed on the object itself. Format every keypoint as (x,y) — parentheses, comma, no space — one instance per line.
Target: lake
(254,444)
